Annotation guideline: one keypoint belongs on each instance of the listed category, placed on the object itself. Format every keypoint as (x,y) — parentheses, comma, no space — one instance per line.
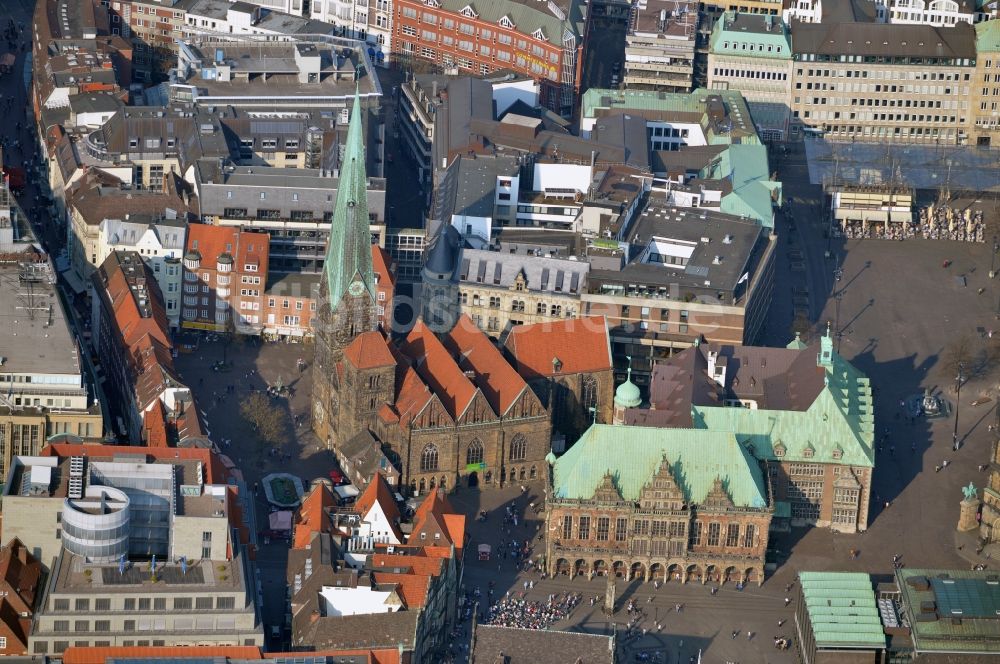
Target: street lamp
(958,402)
(993,258)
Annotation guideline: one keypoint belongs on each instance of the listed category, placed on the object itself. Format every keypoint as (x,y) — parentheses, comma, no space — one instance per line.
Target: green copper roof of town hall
(838,427)
(633,454)
(349,251)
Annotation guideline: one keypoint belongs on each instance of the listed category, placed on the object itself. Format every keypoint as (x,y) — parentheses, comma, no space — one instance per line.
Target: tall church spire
(349,252)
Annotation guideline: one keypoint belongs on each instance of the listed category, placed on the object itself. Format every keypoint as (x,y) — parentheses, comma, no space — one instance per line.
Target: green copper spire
(349,252)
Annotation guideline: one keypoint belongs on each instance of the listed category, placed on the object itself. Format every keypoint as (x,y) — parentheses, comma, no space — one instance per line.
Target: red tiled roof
(437,511)
(416,563)
(95,655)
(154,421)
(312,516)
(381,266)
(21,576)
(582,345)
(369,350)
(437,368)
(494,376)
(210,241)
(379,491)
(17,629)
(411,588)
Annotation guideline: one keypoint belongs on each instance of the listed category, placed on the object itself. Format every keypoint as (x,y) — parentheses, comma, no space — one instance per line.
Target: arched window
(429,458)
(474,453)
(518,448)
(533,473)
(589,395)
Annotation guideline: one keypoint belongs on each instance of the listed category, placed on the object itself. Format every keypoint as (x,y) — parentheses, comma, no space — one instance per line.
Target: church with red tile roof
(451,407)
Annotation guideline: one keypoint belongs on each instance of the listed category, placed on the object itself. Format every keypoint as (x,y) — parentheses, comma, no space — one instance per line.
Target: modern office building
(660,45)
(856,81)
(752,53)
(43,390)
(142,547)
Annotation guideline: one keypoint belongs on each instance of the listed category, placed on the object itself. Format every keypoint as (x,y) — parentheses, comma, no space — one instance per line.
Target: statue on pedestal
(969,508)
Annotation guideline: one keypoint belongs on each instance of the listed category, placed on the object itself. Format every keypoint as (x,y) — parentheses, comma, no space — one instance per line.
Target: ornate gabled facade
(803,410)
(348,297)
(659,504)
(449,409)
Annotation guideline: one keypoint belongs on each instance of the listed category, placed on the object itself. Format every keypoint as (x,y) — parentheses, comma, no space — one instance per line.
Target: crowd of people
(941,222)
(935,222)
(515,611)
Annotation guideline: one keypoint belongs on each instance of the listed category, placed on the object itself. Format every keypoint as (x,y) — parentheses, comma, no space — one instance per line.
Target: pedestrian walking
(788,601)
(735,632)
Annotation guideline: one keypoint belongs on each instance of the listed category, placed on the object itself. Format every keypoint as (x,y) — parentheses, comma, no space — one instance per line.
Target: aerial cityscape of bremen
(500,331)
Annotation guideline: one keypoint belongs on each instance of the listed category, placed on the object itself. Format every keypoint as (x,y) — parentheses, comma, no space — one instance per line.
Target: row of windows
(750,46)
(883,74)
(751,73)
(143,604)
(659,529)
(429,457)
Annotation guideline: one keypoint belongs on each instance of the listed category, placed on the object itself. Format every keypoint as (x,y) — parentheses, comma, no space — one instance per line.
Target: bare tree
(268,420)
(964,355)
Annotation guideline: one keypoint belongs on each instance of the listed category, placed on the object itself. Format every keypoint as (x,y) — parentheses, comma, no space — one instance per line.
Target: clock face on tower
(356,289)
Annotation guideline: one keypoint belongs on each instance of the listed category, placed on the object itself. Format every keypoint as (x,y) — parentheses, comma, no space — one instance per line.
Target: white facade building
(161,245)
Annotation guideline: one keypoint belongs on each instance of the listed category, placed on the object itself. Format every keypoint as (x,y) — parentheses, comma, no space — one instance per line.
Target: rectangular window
(714,529)
(82,605)
(584,527)
(102,604)
(640,527)
(733,534)
(145,603)
(225,603)
(81,625)
(159,603)
(130,604)
(621,526)
(696,533)
(60,625)
(203,603)
(567,527)
(603,528)
(748,535)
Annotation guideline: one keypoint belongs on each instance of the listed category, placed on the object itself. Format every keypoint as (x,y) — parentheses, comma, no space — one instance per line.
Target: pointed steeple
(349,252)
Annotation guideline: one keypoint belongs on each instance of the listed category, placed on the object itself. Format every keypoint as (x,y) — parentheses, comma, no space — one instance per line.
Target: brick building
(803,410)
(131,337)
(152,27)
(569,366)
(20,576)
(658,504)
(224,270)
(541,40)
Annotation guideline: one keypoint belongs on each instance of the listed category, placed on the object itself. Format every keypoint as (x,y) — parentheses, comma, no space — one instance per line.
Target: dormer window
(469,12)
(505,22)
(779,450)
(838,453)
(539,34)
(808,452)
